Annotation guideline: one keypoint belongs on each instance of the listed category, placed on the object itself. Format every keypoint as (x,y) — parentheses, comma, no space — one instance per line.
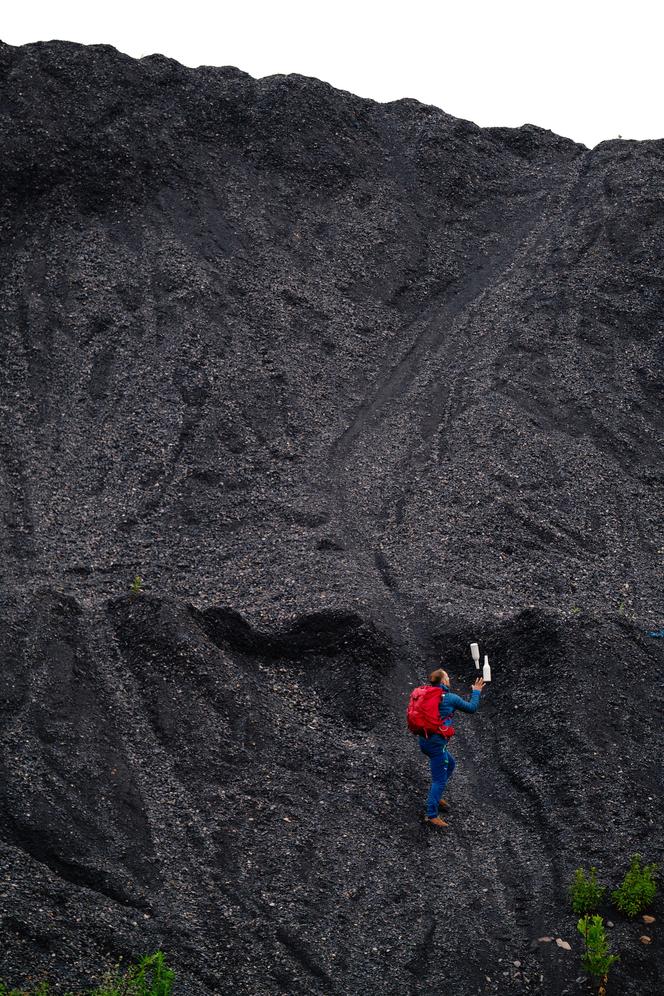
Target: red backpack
(423,713)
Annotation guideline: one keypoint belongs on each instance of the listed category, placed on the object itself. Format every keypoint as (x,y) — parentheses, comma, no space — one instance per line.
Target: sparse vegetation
(150,977)
(638,888)
(597,958)
(626,603)
(585,892)
(137,585)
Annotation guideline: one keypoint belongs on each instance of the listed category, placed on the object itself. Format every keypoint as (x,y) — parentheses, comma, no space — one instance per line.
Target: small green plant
(638,888)
(597,958)
(575,610)
(626,603)
(137,585)
(150,977)
(585,892)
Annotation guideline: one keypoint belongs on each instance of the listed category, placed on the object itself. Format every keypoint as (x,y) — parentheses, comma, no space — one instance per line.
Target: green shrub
(586,893)
(151,977)
(597,960)
(637,889)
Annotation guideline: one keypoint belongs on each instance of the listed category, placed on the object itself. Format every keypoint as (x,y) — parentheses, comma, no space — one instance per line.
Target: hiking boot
(443,804)
(435,821)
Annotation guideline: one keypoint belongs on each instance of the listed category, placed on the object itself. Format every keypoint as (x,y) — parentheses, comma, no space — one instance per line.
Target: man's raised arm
(458,703)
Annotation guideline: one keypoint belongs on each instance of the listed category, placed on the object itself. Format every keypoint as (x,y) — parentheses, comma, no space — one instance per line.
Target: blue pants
(442,768)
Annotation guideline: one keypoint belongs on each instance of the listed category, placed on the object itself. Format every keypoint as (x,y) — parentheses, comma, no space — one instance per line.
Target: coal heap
(348,385)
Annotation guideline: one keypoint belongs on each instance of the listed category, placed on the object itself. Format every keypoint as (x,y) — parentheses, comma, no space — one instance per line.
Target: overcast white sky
(590,70)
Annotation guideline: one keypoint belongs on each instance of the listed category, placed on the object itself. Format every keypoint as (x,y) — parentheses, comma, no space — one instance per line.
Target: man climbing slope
(430,713)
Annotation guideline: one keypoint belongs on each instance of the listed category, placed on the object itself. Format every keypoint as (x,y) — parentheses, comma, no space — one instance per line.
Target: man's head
(439,677)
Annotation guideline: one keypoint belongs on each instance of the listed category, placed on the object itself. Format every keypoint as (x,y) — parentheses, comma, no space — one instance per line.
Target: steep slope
(349,384)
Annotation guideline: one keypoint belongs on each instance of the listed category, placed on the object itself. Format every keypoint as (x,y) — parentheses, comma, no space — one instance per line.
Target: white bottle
(486,670)
(475,651)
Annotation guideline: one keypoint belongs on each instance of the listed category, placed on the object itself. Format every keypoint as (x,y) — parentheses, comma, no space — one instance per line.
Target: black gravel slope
(349,385)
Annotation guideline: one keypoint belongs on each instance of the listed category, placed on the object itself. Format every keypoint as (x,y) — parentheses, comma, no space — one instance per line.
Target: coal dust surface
(349,385)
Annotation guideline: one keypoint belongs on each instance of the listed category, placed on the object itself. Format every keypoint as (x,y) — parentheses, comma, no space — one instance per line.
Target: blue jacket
(435,744)
(449,702)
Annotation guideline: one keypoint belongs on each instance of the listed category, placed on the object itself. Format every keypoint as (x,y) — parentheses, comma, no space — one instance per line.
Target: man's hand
(478,685)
